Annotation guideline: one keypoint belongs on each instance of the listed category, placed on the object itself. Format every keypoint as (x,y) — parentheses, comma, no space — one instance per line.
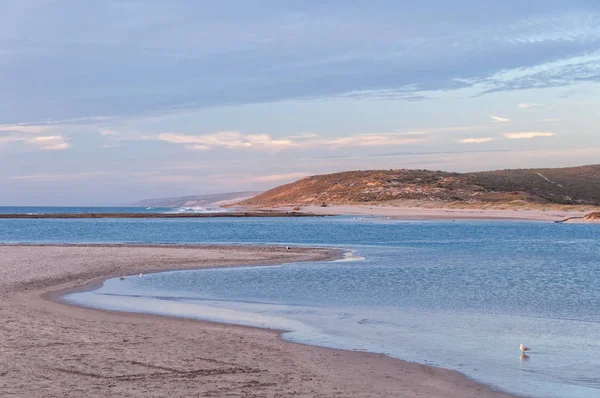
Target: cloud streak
(528,135)
(370,140)
(228,140)
(264,142)
(50,142)
(498,119)
(43,142)
(109,133)
(528,105)
(21,128)
(476,140)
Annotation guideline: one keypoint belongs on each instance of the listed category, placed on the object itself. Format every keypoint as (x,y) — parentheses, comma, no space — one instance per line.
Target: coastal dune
(51,349)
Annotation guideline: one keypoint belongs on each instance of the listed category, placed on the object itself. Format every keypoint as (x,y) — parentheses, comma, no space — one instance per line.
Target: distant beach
(448,212)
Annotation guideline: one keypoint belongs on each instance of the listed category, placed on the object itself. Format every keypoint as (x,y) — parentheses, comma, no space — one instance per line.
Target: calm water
(461,295)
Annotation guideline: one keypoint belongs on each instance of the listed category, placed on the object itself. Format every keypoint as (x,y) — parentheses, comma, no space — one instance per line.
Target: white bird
(524,349)
(141,275)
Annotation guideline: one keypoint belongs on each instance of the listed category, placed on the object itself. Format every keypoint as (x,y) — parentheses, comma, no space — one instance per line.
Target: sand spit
(51,349)
(167,215)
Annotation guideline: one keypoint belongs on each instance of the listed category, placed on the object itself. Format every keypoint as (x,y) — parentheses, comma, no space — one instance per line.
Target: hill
(197,200)
(571,186)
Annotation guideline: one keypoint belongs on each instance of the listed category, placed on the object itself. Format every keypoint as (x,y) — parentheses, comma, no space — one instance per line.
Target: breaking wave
(197,209)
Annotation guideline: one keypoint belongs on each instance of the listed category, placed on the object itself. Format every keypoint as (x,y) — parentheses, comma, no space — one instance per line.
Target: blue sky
(111,101)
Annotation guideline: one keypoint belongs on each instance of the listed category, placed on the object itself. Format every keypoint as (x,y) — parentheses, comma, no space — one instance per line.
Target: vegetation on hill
(576,185)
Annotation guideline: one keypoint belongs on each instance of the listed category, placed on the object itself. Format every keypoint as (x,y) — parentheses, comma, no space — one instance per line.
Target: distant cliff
(197,200)
(573,186)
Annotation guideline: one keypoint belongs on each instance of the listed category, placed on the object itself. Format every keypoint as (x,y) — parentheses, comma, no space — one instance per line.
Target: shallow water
(461,295)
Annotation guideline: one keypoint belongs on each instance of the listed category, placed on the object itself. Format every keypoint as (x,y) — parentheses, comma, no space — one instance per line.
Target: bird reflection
(524,357)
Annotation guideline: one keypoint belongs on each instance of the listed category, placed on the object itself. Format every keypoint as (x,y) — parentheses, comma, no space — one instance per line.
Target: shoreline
(253,355)
(236,214)
(402,212)
(407,213)
(97,282)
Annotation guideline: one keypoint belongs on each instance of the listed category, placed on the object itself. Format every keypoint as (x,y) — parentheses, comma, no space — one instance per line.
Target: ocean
(456,294)
(88,210)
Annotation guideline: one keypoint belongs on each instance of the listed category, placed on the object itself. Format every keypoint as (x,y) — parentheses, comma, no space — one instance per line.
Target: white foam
(197,209)
(350,256)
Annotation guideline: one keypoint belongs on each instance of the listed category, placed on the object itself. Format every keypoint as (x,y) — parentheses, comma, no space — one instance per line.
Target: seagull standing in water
(524,349)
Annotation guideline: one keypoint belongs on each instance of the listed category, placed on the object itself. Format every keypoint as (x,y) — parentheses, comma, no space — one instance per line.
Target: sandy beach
(535,213)
(51,349)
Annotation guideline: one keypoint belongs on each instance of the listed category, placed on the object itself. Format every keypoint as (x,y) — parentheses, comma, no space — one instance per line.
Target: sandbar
(52,349)
(236,214)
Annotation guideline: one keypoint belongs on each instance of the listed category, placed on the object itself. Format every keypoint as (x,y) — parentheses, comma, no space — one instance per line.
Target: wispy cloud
(109,132)
(227,139)
(528,135)
(21,128)
(43,127)
(44,142)
(368,140)
(566,71)
(476,140)
(528,105)
(498,119)
(264,142)
(46,136)
(50,142)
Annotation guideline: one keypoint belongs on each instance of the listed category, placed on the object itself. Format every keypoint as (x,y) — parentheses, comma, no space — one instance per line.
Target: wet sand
(51,349)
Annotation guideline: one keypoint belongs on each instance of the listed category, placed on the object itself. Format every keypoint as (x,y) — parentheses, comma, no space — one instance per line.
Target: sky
(108,102)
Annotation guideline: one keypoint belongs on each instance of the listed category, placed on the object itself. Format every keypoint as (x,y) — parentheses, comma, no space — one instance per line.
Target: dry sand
(448,213)
(51,349)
